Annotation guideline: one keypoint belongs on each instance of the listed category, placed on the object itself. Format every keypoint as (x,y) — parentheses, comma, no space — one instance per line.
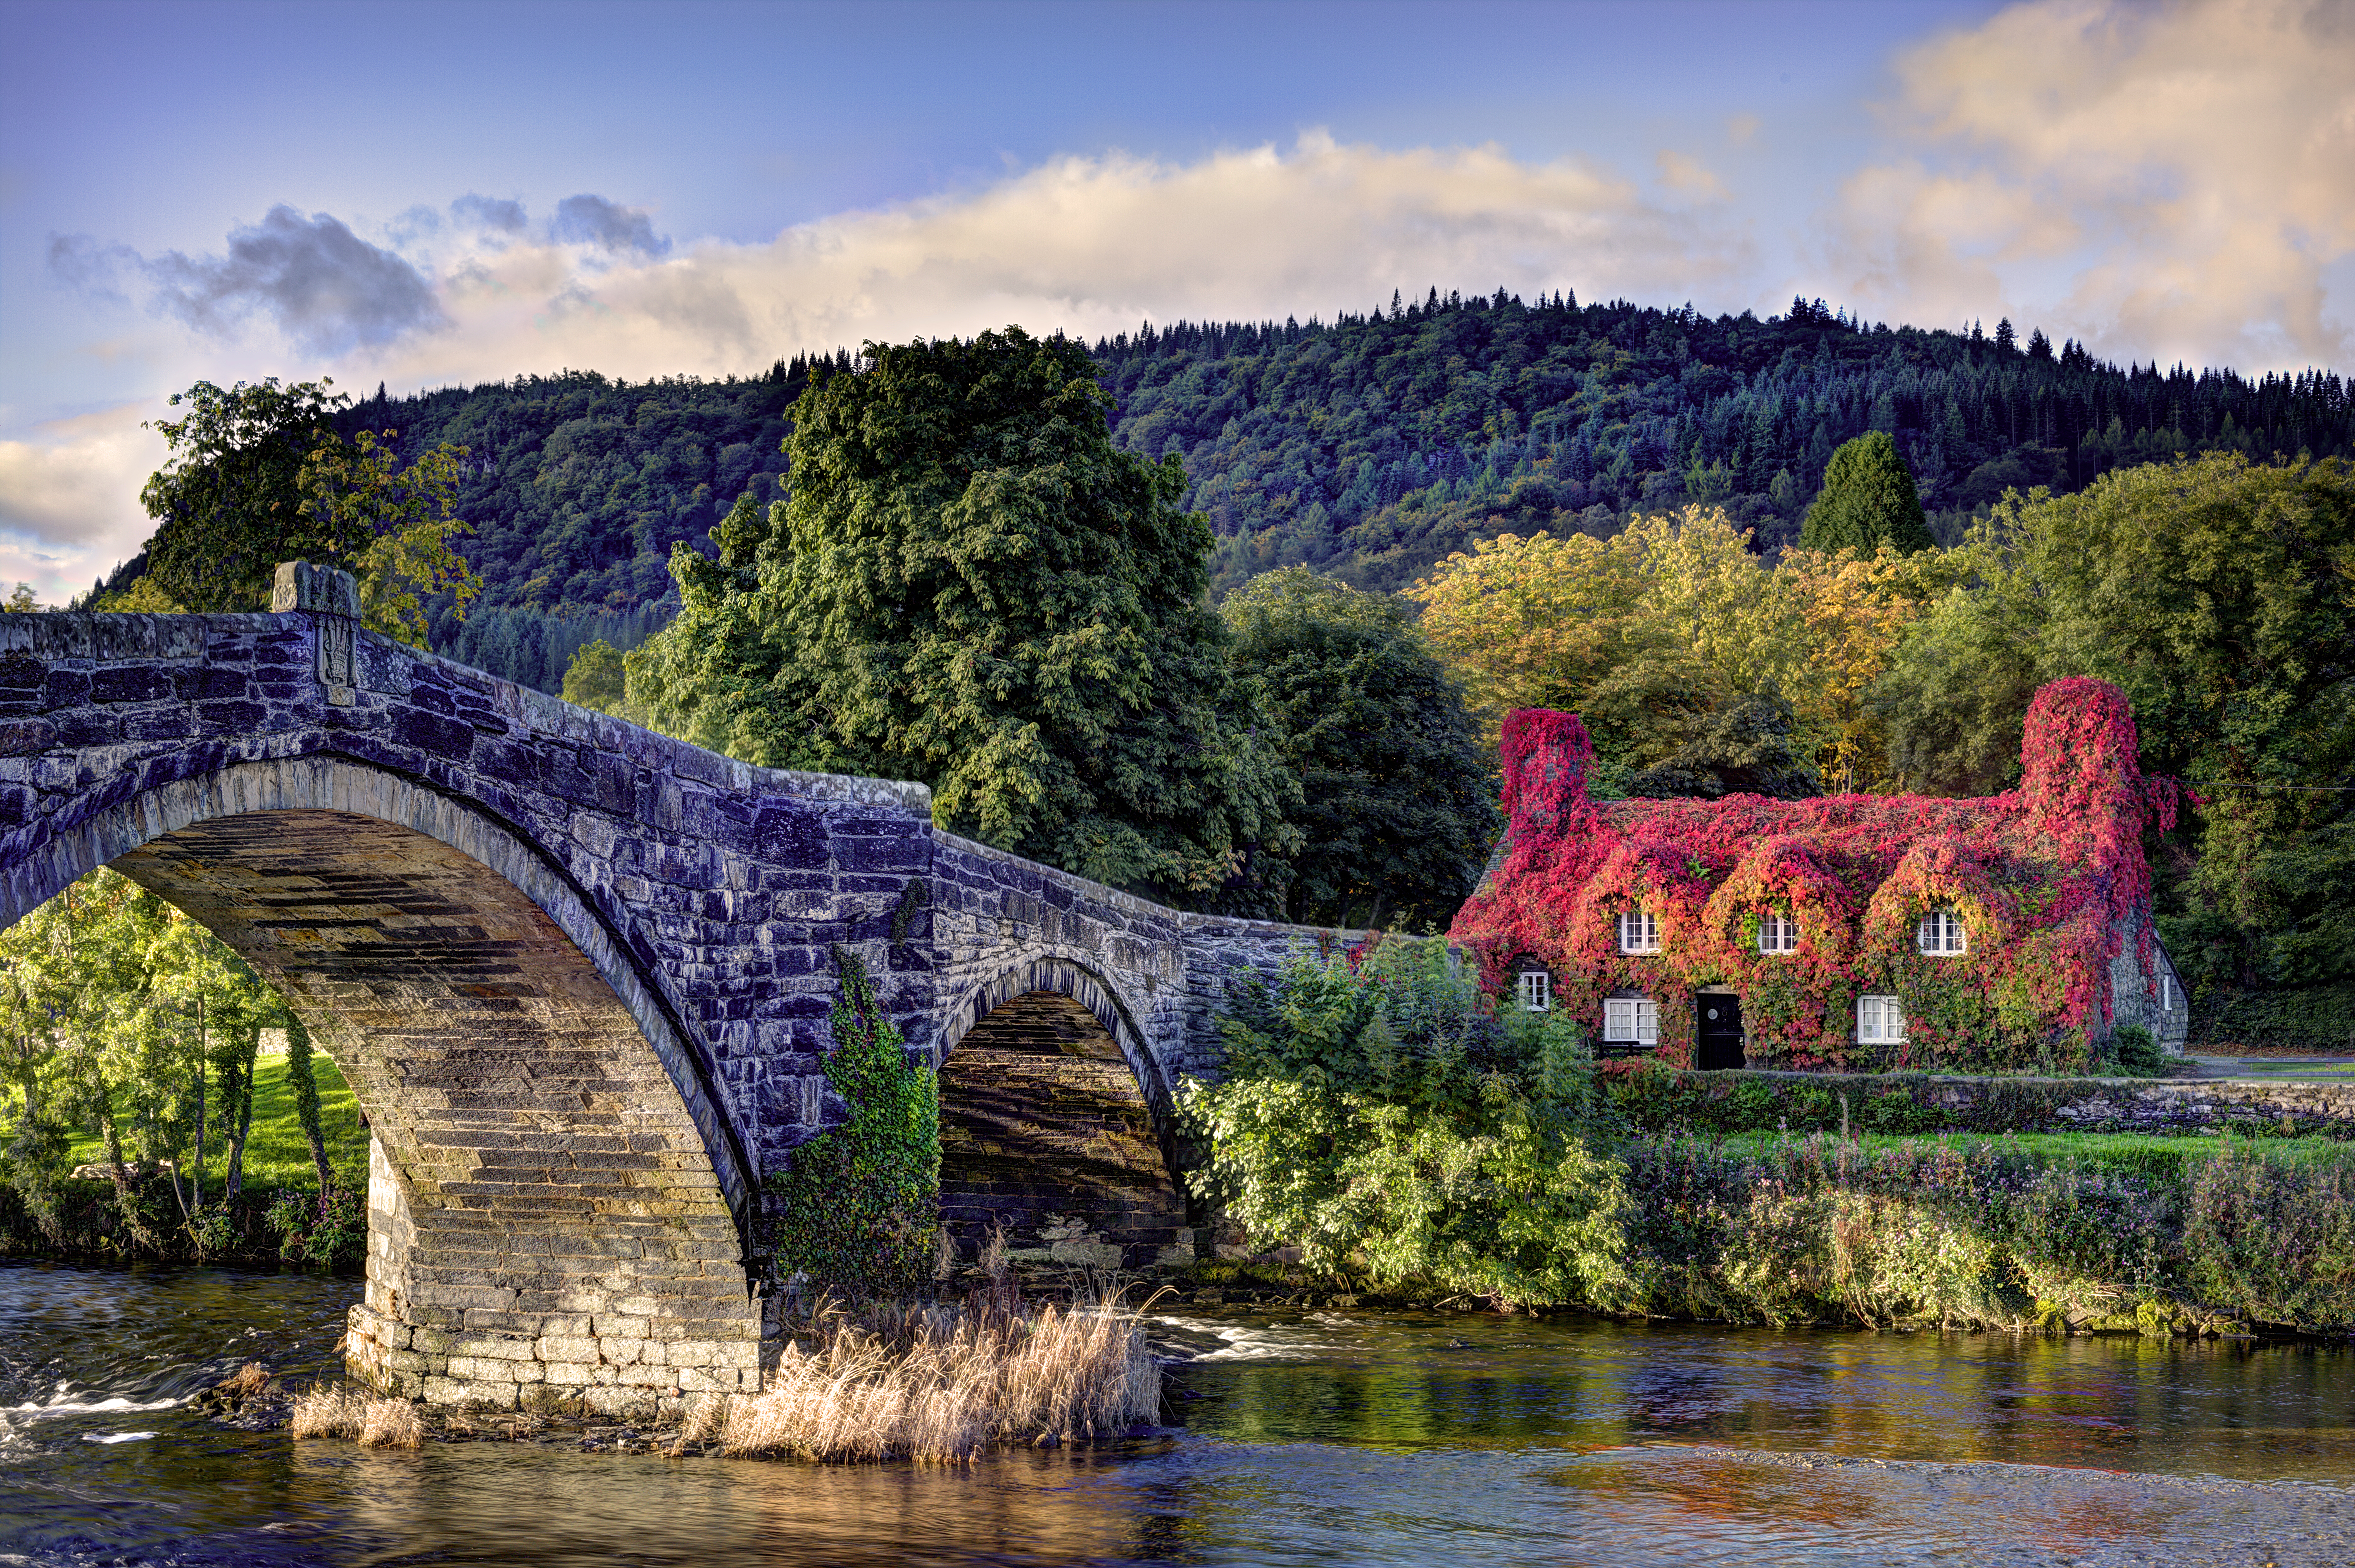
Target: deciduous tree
(1398,806)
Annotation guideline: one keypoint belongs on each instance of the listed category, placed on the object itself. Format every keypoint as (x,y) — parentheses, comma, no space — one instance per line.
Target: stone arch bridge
(578,976)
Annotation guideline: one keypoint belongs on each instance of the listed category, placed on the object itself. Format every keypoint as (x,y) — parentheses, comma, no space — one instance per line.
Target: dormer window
(1640,932)
(1941,934)
(1880,1020)
(1536,990)
(1777,933)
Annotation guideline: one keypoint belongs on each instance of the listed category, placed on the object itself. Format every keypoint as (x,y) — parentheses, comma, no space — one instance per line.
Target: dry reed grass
(937,1383)
(247,1381)
(338,1409)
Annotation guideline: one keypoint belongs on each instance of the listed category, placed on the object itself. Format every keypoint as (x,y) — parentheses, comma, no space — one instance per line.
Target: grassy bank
(2163,1235)
(275,1153)
(277,1215)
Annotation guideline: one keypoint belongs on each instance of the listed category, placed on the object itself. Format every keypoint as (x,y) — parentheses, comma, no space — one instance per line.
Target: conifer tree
(1868,500)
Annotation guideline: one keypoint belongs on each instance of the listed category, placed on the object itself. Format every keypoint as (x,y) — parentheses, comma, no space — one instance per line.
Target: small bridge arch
(1056,1125)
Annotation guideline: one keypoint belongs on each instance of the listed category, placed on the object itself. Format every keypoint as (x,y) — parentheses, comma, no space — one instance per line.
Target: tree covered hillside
(1370,448)
(1377,446)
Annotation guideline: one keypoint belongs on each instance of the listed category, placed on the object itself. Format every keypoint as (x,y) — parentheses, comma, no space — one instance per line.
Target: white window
(1537,991)
(2166,993)
(1880,1020)
(1632,1020)
(1638,932)
(1777,933)
(1942,932)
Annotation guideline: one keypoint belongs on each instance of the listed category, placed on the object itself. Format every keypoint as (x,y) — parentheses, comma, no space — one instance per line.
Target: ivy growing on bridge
(861,1200)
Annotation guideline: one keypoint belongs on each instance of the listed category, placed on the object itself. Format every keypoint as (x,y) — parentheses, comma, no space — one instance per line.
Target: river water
(1306,1437)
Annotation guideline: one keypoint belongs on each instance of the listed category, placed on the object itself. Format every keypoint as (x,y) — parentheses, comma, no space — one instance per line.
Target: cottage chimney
(1546,759)
(2081,769)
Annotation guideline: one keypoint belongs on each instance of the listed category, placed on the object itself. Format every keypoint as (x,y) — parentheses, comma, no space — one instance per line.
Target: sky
(428,195)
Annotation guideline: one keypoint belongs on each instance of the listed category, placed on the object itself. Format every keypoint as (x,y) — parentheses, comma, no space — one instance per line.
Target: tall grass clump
(339,1410)
(937,1383)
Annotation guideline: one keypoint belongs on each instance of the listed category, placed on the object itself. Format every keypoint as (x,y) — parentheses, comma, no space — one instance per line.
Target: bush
(861,1200)
(2139,1053)
(1379,1121)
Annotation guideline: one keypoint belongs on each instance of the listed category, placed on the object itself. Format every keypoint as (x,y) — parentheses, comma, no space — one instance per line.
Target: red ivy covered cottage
(1863,932)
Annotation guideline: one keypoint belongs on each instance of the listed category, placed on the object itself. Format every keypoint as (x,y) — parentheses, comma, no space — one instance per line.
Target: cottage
(1856,932)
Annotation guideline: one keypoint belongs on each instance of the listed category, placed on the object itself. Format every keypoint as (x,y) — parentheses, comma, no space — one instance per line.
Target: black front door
(1720,1030)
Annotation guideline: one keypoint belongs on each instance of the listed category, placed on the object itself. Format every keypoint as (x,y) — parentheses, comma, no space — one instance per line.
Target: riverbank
(2068,1234)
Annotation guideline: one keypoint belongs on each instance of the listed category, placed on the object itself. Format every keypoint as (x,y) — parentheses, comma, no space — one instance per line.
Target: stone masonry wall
(699,900)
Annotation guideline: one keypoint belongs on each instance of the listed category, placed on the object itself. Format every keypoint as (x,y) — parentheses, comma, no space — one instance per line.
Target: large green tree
(971,585)
(259,474)
(228,501)
(1399,793)
(1868,500)
(2221,595)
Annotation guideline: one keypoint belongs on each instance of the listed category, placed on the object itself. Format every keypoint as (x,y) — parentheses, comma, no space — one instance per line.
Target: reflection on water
(1326,1439)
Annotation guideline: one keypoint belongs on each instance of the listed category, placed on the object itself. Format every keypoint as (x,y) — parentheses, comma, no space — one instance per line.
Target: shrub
(2137,1051)
(1377,1121)
(861,1200)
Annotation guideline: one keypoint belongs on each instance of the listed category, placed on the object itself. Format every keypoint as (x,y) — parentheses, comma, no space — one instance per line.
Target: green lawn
(276,1153)
(2151,1153)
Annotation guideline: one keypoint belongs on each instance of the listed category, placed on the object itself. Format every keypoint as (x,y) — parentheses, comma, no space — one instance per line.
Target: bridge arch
(1056,1124)
(556,1196)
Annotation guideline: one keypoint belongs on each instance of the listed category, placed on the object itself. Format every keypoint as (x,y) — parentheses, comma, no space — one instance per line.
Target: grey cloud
(493,214)
(81,263)
(325,286)
(596,221)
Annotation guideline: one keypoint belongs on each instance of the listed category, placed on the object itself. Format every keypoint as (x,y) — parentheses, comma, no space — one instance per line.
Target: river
(1306,1437)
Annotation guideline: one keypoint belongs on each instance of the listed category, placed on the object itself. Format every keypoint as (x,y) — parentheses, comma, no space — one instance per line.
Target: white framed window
(2166,993)
(1880,1020)
(1537,991)
(1777,933)
(1941,934)
(1631,1021)
(1640,932)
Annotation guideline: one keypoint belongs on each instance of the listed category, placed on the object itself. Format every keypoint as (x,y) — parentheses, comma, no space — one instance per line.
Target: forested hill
(1371,447)
(1374,447)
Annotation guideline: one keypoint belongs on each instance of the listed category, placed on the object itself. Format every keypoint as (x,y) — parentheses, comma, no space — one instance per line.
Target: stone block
(494,1347)
(578,1374)
(566,1348)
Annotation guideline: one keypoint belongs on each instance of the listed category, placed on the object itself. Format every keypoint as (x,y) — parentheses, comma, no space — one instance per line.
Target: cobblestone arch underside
(546,1225)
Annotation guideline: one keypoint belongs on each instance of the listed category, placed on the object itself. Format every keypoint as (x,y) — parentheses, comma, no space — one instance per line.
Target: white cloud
(2161,181)
(69,502)
(1089,245)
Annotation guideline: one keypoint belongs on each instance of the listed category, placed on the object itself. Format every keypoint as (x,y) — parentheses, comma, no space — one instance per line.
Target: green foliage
(259,474)
(2319,1018)
(594,678)
(395,523)
(2220,596)
(861,1200)
(1991,1234)
(2139,1053)
(1868,500)
(1373,446)
(1747,747)
(1398,791)
(972,587)
(1377,1120)
(131,1037)
(229,504)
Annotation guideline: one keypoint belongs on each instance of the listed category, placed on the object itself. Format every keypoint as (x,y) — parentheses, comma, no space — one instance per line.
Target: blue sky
(428,194)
